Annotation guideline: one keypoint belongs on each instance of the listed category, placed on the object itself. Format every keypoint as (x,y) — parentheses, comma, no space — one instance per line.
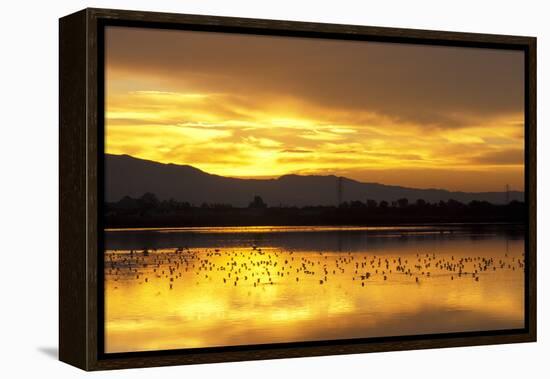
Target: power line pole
(507,193)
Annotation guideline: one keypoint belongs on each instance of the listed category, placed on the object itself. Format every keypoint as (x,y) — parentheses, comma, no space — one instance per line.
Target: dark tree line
(150,202)
(149,211)
(422,204)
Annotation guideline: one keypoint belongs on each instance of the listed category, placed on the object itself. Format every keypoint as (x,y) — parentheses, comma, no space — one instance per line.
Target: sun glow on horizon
(258,131)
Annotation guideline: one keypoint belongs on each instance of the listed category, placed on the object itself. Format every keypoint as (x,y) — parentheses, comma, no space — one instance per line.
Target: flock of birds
(256,267)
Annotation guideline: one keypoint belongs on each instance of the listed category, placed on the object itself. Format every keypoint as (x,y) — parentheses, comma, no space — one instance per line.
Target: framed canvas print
(239,189)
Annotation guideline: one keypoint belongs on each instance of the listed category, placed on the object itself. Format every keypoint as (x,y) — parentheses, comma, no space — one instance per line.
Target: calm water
(203,287)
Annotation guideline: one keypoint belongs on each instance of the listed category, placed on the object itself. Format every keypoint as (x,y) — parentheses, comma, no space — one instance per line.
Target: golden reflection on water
(281,229)
(185,298)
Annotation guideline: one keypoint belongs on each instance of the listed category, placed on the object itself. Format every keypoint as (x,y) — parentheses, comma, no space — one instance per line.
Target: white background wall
(28,188)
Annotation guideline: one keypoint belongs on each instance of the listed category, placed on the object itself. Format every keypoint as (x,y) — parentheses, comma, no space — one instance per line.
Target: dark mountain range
(129,176)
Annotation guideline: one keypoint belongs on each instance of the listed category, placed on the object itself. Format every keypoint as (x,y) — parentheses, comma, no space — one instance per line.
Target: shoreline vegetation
(148,211)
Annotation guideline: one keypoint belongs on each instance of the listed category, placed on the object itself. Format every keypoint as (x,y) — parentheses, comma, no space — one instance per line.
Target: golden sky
(263,106)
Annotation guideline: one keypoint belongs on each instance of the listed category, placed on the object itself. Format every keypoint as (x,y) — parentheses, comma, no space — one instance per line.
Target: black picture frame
(81,108)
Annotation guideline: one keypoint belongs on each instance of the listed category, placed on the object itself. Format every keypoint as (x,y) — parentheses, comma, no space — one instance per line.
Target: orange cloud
(231,116)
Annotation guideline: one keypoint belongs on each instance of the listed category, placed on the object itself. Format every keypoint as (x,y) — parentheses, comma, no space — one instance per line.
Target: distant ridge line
(126,175)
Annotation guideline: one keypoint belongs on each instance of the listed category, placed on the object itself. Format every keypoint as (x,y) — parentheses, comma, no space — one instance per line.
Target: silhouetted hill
(129,176)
